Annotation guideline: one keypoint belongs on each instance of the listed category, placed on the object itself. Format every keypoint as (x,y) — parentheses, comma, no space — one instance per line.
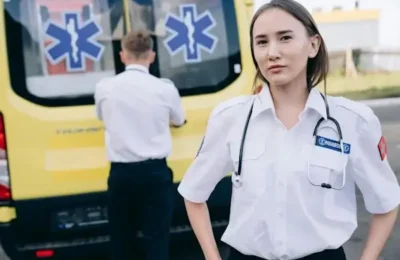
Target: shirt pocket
(253,170)
(325,166)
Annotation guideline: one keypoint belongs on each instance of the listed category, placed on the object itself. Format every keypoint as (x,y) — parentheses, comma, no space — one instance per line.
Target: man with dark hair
(137,110)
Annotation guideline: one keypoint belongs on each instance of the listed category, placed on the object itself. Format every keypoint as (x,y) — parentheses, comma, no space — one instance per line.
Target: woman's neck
(289,96)
(289,101)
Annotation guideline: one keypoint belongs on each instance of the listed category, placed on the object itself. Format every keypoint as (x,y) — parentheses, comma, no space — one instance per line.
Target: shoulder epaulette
(358,108)
(240,100)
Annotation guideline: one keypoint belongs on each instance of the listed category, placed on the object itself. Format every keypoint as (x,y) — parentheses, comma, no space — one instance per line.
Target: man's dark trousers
(140,199)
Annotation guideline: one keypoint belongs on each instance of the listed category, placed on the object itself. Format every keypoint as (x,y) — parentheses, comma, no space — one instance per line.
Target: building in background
(349,29)
(367,25)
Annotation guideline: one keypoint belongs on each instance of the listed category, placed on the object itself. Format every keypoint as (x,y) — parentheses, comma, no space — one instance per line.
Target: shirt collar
(137,67)
(314,101)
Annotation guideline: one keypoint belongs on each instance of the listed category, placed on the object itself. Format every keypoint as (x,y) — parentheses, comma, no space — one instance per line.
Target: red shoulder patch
(382,148)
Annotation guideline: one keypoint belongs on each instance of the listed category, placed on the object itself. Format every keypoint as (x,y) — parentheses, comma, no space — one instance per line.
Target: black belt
(329,254)
(144,162)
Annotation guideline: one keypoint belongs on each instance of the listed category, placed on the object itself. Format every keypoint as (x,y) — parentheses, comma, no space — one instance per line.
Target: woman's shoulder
(231,105)
(358,108)
(226,115)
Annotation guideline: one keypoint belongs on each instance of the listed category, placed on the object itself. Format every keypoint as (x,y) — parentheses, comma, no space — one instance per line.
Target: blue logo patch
(74,42)
(331,144)
(190,33)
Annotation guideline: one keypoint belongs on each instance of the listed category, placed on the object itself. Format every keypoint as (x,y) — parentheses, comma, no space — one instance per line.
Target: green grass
(369,86)
(371,93)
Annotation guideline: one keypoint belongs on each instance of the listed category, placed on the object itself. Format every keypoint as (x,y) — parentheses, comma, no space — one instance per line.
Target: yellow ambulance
(53,166)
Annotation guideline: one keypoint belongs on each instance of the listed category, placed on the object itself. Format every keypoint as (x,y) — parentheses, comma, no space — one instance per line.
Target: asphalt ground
(390,119)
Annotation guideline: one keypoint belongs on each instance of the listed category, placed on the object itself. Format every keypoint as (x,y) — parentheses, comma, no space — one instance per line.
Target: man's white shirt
(137,110)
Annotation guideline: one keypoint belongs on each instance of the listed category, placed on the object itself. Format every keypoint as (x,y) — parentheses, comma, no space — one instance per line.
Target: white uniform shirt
(137,109)
(277,213)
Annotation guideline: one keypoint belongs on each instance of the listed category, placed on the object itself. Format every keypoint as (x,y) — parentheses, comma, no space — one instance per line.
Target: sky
(390,10)
(328,4)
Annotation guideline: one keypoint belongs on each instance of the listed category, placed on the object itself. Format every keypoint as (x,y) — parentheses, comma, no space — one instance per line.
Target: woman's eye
(286,38)
(260,42)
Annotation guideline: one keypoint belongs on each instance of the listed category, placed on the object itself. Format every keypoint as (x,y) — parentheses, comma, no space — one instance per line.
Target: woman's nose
(273,51)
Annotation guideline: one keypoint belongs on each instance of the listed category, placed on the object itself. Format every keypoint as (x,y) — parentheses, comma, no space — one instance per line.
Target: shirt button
(281,214)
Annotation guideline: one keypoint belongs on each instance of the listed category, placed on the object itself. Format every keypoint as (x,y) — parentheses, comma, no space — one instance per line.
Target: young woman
(296,155)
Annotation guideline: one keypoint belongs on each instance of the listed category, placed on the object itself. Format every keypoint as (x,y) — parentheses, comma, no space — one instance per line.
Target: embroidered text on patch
(332,144)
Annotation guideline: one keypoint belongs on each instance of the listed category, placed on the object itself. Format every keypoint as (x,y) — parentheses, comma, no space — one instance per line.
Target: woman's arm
(200,221)
(212,163)
(377,181)
(380,230)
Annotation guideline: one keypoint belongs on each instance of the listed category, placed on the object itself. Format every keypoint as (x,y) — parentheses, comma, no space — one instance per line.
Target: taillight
(44,253)
(2,135)
(5,193)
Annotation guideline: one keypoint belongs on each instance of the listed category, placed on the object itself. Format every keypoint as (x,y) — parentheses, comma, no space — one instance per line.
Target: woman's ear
(315,44)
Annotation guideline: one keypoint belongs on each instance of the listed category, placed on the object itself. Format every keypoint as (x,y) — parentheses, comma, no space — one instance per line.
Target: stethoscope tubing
(237,174)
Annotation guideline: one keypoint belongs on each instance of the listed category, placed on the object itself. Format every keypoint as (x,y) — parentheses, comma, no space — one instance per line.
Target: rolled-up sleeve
(371,170)
(210,166)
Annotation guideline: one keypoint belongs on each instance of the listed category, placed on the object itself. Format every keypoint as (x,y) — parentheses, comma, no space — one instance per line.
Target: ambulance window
(58,50)
(197,41)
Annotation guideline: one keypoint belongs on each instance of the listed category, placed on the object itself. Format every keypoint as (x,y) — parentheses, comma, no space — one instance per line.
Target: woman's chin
(279,79)
(276,82)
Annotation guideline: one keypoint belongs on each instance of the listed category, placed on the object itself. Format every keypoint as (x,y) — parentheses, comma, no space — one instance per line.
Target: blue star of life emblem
(74,42)
(190,33)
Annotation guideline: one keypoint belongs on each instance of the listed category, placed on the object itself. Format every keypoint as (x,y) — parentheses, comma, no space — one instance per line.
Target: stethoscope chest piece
(237,182)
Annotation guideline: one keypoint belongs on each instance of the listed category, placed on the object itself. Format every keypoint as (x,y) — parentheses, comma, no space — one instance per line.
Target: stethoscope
(237,180)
